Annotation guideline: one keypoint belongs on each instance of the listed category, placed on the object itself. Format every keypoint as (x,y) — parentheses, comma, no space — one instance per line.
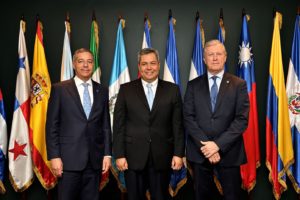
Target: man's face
(149,67)
(83,65)
(215,58)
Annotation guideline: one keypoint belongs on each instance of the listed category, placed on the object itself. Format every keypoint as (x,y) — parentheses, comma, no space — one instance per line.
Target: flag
(221,32)
(171,68)
(293,95)
(119,75)
(20,162)
(279,149)
(197,65)
(171,74)
(3,143)
(94,47)
(40,93)
(146,36)
(67,71)
(245,70)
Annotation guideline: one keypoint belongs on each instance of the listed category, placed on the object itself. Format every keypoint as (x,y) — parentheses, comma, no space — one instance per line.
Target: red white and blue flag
(293,95)
(3,143)
(245,70)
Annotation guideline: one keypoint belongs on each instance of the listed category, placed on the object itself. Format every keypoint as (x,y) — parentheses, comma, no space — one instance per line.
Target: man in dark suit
(78,132)
(216,108)
(148,139)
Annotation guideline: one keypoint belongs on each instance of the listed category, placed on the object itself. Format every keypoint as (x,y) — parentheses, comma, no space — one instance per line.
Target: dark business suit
(224,126)
(142,136)
(81,143)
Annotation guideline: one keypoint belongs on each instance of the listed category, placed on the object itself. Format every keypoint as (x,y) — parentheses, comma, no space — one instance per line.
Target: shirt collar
(78,81)
(154,83)
(219,75)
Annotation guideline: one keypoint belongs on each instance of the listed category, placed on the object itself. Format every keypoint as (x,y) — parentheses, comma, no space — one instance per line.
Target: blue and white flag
(67,71)
(222,33)
(171,74)
(119,75)
(146,36)
(171,69)
(19,156)
(197,65)
(3,143)
(293,95)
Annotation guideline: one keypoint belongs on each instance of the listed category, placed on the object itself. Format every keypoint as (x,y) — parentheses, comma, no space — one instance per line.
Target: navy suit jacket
(139,132)
(70,135)
(224,126)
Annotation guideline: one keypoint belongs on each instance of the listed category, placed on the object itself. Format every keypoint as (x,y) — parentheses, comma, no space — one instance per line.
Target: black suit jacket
(137,129)
(70,135)
(224,126)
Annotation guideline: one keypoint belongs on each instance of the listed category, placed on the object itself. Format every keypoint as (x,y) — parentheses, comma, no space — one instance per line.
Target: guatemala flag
(245,70)
(3,143)
(197,65)
(293,95)
(119,75)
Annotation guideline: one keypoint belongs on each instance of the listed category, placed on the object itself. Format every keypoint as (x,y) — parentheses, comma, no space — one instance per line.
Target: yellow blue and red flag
(279,149)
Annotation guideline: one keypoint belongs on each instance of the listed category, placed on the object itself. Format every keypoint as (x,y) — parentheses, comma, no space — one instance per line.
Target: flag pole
(243,12)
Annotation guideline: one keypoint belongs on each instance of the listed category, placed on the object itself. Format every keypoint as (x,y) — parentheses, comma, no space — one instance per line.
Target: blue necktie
(87,105)
(150,95)
(214,92)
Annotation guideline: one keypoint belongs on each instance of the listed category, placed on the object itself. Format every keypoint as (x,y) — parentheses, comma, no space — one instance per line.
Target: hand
(122,164)
(209,148)
(106,164)
(214,159)
(56,167)
(176,163)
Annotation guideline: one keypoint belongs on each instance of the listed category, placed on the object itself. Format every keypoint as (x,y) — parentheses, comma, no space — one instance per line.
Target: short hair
(81,50)
(213,43)
(146,51)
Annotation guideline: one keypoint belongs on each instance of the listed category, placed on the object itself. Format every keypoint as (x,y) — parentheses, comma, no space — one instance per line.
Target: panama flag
(279,149)
(197,65)
(293,95)
(20,162)
(40,93)
(221,32)
(3,143)
(67,71)
(119,75)
(146,36)
(245,70)
(94,47)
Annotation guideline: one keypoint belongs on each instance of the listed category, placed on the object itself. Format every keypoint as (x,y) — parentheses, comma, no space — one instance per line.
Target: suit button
(149,140)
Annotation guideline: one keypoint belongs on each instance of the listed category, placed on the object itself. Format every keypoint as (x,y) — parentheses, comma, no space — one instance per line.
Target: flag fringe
(294,182)
(181,183)
(22,189)
(2,188)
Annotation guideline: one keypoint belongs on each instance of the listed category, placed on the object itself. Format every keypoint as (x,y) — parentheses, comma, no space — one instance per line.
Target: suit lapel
(206,91)
(223,88)
(141,93)
(73,91)
(158,94)
(97,97)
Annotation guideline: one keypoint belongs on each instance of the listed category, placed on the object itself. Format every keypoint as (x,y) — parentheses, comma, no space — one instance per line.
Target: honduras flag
(221,32)
(293,95)
(119,75)
(171,69)
(171,73)
(197,65)
(245,70)
(3,143)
